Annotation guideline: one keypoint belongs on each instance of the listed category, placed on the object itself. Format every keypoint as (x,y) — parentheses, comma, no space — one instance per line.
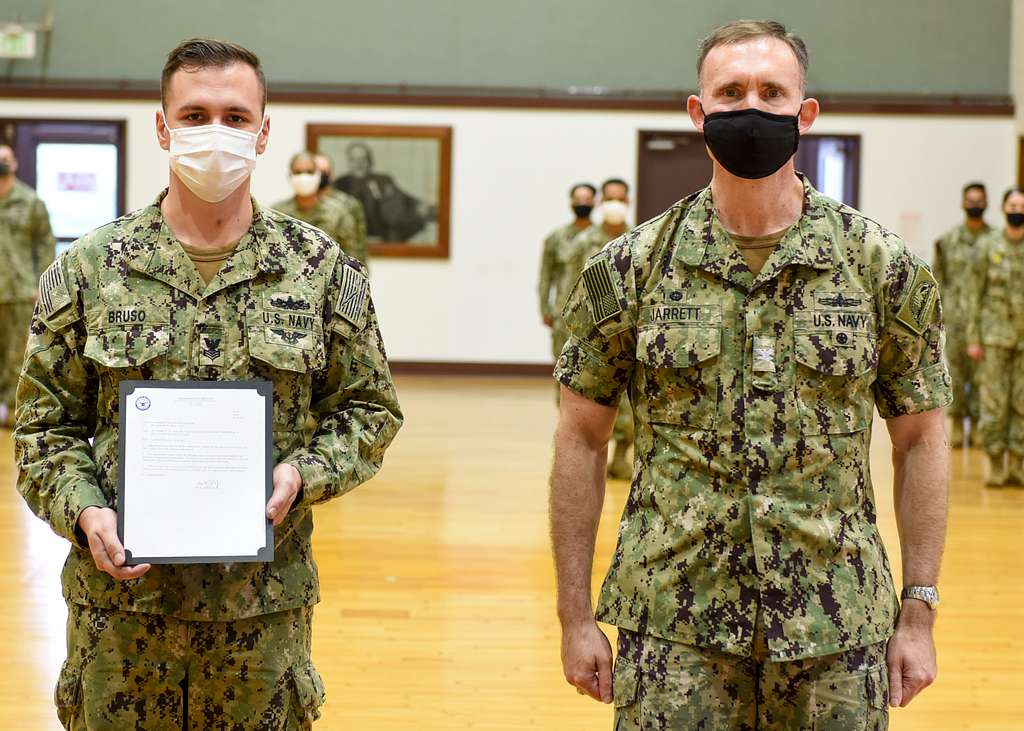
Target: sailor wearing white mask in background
(324,212)
(613,212)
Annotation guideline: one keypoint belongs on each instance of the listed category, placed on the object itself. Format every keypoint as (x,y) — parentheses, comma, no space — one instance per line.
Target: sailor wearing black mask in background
(956,254)
(996,341)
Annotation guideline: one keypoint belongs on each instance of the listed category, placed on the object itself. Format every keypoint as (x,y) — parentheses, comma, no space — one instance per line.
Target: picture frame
(402,176)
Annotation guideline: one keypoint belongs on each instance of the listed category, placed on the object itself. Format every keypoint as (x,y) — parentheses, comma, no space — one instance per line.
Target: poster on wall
(78,183)
(401,175)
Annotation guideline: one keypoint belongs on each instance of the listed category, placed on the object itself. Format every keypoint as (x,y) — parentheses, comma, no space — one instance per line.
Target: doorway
(77,167)
(673,164)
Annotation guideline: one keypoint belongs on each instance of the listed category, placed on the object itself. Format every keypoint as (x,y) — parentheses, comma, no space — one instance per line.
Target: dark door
(671,166)
(675,164)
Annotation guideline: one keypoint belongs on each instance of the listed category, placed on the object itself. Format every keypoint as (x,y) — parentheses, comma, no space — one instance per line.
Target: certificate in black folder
(195,471)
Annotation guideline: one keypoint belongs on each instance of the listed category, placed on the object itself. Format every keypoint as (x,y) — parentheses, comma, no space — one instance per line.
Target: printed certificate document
(195,471)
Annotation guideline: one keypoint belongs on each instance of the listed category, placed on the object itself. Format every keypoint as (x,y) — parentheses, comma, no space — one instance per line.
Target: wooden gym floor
(438,591)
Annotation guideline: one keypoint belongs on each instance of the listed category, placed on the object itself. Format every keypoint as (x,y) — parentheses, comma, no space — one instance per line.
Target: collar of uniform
(159,255)
(702,241)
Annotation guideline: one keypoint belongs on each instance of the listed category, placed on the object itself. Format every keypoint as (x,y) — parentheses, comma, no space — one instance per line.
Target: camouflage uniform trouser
(668,686)
(962,372)
(1001,375)
(150,671)
(14,321)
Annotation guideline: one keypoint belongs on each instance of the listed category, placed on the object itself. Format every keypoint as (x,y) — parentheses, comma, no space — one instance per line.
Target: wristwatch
(927,594)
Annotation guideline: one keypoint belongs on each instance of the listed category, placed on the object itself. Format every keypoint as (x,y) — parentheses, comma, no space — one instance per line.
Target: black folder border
(264,389)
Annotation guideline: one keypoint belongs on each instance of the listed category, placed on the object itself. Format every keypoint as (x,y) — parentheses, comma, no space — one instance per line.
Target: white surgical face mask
(212,160)
(305,183)
(614,212)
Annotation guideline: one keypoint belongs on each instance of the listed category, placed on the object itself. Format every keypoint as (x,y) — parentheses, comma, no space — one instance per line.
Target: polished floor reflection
(438,608)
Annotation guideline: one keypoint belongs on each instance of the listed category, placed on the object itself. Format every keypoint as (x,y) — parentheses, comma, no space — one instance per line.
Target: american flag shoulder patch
(602,294)
(53,290)
(352,300)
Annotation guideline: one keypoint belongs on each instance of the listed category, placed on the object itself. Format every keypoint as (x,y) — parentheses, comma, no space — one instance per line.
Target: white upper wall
(511,171)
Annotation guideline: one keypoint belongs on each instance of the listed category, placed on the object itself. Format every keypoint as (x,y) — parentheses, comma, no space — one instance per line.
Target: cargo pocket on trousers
(309,694)
(625,687)
(852,702)
(67,696)
(877,691)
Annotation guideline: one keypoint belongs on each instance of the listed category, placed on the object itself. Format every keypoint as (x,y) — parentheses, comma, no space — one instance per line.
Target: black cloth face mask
(325,180)
(975,212)
(5,169)
(1015,219)
(750,143)
(582,211)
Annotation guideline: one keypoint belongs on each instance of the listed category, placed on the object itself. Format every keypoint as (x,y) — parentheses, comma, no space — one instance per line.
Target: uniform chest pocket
(289,358)
(126,354)
(681,374)
(834,375)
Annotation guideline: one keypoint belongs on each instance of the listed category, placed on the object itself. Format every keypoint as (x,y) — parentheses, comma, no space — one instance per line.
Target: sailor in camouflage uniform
(557,273)
(323,212)
(349,202)
(198,646)
(614,207)
(26,249)
(995,336)
(749,585)
(955,257)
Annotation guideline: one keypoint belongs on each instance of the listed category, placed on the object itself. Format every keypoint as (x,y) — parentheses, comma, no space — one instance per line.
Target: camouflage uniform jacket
(355,209)
(331,217)
(26,243)
(753,400)
(997,294)
(955,258)
(556,272)
(126,302)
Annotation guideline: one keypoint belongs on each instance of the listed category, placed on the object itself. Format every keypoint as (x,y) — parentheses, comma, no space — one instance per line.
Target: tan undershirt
(757,249)
(209,261)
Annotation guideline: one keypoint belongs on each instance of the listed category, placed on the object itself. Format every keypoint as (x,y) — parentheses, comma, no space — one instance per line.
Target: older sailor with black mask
(756,326)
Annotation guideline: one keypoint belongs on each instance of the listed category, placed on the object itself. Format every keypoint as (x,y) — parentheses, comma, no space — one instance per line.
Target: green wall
(870,46)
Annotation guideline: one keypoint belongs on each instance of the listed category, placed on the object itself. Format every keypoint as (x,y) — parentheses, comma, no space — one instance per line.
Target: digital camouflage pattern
(330,216)
(126,302)
(669,686)
(558,272)
(998,326)
(26,248)
(135,671)
(588,243)
(355,209)
(955,258)
(753,401)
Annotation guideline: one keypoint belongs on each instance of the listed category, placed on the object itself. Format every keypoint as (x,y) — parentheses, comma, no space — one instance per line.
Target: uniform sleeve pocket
(625,682)
(309,692)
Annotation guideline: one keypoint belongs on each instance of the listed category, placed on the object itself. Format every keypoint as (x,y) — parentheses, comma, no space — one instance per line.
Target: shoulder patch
(352,301)
(53,290)
(918,304)
(602,294)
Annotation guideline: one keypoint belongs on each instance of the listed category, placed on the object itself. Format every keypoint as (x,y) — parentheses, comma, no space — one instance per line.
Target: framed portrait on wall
(402,177)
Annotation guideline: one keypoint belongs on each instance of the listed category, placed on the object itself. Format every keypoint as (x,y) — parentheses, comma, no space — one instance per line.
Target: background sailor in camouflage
(127,301)
(361,247)
(326,213)
(748,553)
(614,208)
(558,270)
(996,339)
(26,249)
(956,256)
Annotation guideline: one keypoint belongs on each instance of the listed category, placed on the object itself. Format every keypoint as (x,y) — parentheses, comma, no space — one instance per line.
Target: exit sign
(17,43)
